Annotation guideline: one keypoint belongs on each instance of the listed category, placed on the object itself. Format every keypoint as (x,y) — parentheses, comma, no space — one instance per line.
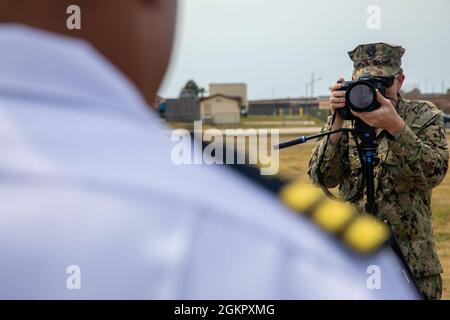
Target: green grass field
(294,162)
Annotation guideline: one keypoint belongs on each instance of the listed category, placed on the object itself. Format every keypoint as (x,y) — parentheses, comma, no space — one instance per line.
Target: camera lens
(361,96)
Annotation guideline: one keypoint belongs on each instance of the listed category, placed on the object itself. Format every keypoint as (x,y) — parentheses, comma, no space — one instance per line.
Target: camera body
(360,95)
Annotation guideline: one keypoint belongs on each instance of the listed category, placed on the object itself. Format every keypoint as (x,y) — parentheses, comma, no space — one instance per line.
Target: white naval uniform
(86,180)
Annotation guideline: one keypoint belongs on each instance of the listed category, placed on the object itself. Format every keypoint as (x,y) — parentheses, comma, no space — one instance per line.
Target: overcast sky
(275,45)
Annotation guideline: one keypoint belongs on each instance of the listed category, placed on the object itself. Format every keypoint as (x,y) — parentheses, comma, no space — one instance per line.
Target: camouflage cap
(377,59)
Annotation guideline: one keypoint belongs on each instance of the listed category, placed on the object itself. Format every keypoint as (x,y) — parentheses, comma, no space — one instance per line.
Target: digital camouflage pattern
(377,59)
(409,169)
(431,286)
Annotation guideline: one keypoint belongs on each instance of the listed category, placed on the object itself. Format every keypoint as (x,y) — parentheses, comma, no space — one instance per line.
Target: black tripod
(367,150)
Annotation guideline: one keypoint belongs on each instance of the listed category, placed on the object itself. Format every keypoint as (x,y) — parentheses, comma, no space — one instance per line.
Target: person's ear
(400,79)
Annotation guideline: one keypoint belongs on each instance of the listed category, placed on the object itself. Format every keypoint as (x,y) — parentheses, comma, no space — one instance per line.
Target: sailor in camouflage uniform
(413,160)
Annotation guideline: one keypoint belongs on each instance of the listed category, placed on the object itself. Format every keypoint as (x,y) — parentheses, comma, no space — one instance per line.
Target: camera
(360,95)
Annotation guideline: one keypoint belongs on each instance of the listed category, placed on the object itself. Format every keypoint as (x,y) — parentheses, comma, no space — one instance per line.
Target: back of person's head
(135,35)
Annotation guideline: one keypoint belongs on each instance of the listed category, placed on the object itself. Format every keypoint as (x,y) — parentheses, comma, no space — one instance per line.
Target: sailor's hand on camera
(385,117)
(337,98)
(337,101)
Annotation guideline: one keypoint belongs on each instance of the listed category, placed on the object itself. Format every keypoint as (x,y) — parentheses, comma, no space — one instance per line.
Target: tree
(191,90)
(201,92)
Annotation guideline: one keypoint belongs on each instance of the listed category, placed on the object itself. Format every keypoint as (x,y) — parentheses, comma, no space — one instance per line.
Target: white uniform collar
(46,67)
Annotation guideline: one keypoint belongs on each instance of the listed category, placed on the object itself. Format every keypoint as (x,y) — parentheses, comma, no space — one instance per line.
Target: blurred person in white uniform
(87,185)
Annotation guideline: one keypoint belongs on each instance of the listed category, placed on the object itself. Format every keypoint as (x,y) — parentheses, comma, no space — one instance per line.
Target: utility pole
(311,84)
(276,111)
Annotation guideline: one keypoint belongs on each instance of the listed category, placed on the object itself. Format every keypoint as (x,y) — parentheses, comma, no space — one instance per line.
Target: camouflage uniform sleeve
(423,157)
(334,164)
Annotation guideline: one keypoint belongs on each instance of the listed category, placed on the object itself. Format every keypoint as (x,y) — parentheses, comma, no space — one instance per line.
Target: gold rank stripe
(361,232)
(301,198)
(366,234)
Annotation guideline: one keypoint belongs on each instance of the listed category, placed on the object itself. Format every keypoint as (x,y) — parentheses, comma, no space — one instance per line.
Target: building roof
(228,83)
(221,95)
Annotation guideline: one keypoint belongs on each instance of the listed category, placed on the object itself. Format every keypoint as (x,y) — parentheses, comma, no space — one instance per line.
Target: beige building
(238,90)
(220,109)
